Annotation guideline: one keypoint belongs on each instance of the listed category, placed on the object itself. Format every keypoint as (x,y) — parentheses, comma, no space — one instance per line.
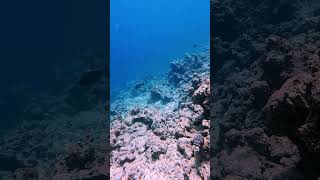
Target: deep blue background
(146,35)
(35,35)
(39,36)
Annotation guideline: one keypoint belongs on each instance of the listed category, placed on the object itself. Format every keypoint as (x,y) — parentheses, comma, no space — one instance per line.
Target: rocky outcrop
(201,96)
(264,108)
(180,70)
(288,108)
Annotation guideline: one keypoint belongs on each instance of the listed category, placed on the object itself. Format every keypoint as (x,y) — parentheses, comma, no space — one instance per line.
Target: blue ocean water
(145,36)
(38,39)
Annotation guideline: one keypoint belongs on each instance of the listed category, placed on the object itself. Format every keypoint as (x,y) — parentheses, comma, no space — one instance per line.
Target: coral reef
(264,108)
(160,126)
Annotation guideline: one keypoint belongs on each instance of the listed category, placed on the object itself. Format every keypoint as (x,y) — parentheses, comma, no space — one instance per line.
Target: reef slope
(160,125)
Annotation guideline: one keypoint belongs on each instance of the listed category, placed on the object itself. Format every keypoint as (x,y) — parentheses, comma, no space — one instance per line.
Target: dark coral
(265,90)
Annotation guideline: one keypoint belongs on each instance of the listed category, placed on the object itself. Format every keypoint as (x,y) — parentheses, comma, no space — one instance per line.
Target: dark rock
(79,159)
(261,92)
(10,162)
(265,90)
(309,134)
(288,108)
(26,174)
(278,61)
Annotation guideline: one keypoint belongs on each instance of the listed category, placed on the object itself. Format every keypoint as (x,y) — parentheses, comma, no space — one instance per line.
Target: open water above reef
(159,61)
(147,35)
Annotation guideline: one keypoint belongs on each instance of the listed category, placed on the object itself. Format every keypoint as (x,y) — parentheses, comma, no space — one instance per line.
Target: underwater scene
(160,87)
(265,90)
(53,95)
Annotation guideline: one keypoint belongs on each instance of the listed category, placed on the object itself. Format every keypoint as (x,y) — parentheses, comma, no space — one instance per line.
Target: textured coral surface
(265,89)
(160,125)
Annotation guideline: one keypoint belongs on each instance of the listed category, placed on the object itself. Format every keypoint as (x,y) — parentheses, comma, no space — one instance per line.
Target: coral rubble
(160,126)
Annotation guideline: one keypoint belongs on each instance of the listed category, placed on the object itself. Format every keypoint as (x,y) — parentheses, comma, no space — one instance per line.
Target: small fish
(195,45)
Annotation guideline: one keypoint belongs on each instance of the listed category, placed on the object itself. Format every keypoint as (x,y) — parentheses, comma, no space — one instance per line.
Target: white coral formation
(158,139)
